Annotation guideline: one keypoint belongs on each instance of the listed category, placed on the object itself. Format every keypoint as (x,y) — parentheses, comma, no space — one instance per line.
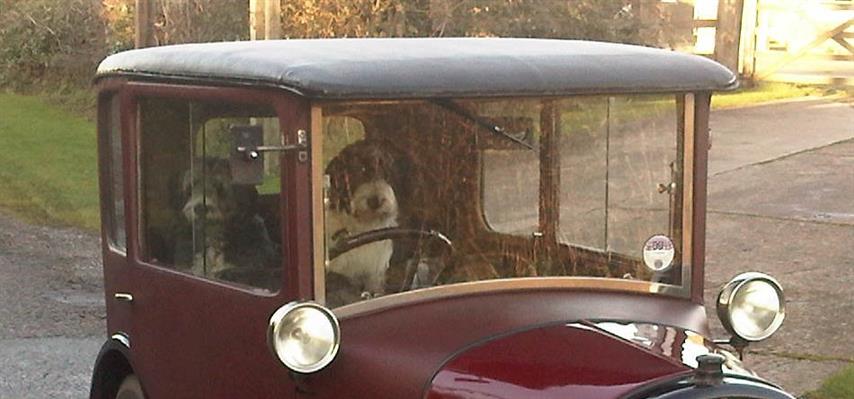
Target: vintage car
(414,218)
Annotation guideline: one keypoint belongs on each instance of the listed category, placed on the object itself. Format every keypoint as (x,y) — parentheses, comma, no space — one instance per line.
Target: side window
(511,173)
(642,171)
(205,208)
(117,234)
(341,131)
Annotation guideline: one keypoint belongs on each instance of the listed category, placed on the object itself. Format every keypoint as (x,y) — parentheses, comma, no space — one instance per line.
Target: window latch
(251,152)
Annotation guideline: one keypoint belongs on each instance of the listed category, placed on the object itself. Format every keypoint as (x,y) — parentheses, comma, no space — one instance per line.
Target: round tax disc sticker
(658,253)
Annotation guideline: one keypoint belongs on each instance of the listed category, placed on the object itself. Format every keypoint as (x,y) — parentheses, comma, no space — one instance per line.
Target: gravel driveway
(51,310)
(781,201)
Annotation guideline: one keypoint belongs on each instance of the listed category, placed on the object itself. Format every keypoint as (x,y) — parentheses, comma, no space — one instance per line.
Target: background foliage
(609,20)
(46,39)
(202,21)
(56,46)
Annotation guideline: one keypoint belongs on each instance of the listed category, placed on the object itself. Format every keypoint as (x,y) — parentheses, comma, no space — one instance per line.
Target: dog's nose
(375,202)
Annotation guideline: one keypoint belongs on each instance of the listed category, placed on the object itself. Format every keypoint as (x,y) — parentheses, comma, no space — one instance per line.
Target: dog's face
(359,178)
(209,192)
(374,200)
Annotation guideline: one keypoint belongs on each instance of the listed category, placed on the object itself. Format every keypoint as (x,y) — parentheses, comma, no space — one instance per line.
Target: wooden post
(144,21)
(547,255)
(747,52)
(265,19)
(728,33)
(272,19)
(256,19)
(265,24)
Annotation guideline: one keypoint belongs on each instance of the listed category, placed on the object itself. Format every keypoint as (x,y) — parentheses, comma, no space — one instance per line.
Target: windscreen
(428,193)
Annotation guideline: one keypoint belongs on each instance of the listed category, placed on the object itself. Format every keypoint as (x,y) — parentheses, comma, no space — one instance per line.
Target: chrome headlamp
(304,336)
(751,306)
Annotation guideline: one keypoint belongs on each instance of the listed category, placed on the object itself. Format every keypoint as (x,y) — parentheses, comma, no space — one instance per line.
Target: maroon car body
(624,332)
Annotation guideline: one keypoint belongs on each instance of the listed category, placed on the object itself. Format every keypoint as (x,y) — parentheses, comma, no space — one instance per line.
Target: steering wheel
(351,242)
(389,233)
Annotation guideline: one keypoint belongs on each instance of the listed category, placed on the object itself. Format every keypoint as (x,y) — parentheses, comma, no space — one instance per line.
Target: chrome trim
(662,338)
(492,286)
(729,291)
(318,225)
(123,297)
(116,249)
(276,321)
(122,337)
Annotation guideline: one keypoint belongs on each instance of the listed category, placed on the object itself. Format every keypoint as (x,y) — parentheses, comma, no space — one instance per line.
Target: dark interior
(447,198)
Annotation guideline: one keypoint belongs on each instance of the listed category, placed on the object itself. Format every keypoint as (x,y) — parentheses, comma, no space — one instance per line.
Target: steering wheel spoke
(389,233)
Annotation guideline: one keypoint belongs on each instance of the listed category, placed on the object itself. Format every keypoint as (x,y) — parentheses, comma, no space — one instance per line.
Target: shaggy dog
(228,233)
(361,199)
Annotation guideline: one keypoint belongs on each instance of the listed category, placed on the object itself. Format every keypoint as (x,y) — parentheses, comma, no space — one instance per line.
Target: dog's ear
(339,190)
(246,196)
(394,167)
(186,181)
(179,193)
(386,163)
(220,168)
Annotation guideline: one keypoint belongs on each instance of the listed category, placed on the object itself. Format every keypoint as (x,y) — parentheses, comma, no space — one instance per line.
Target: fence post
(144,21)
(256,19)
(728,33)
(272,19)
(747,51)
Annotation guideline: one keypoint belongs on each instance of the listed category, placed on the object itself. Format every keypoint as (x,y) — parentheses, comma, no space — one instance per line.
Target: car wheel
(130,388)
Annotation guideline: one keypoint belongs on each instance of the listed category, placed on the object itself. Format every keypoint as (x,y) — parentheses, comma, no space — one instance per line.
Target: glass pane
(207,209)
(426,193)
(642,154)
(618,171)
(583,145)
(118,233)
(511,172)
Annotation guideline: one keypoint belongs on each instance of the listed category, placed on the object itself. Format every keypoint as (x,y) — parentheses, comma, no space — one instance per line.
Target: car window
(511,173)
(442,192)
(117,233)
(617,155)
(205,208)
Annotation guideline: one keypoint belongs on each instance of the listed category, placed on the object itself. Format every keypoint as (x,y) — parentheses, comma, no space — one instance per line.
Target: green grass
(764,92)
(48,163)
(839,386)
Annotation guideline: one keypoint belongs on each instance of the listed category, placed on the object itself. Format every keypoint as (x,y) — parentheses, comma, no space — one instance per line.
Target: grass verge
(764,92)
(839,386)
(48,163)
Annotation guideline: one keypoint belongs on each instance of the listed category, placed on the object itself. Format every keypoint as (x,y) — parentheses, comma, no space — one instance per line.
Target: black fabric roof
(428,67)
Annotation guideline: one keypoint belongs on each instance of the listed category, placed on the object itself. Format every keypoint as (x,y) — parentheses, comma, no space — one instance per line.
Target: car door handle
(123,297)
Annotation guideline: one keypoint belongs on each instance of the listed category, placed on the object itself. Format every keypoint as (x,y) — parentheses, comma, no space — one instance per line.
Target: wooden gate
(802,41)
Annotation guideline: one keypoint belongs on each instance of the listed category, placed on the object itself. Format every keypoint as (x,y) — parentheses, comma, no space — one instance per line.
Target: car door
(215,237)
(112,142)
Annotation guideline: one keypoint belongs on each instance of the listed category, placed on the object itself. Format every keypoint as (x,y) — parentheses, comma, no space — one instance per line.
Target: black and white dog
(228,234)
(361,199)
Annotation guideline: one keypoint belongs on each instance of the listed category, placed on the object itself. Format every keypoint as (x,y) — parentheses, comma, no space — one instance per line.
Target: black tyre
(130,388)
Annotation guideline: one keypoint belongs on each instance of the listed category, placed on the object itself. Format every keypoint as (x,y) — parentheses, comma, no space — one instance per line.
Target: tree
(608,20)
(37,35)
(183,21)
